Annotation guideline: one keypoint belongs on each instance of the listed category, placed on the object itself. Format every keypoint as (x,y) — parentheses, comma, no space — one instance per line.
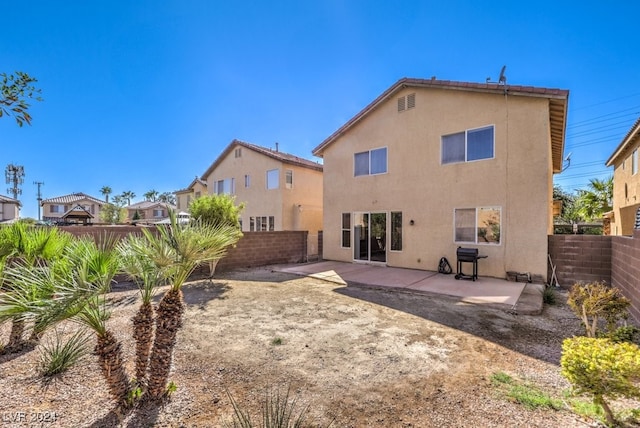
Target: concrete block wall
(625,269)
(580,258)
(266,248)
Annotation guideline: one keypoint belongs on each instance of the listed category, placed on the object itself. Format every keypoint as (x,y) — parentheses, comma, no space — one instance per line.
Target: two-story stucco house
(280,191)
(432,165)
(9,208)
(197,188)
(626,182)
(149,211)
(64,208)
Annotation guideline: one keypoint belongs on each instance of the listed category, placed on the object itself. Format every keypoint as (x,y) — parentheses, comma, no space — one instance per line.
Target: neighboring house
(431,165)
(54,209)
(9,208)
(626,183)
(280,191)
(197,188)
(149,211)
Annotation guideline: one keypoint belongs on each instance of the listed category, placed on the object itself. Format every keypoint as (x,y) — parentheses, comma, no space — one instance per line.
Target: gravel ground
(355,356)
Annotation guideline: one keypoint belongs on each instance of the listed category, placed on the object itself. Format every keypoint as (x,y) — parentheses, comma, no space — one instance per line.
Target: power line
(593,119)
(609,101)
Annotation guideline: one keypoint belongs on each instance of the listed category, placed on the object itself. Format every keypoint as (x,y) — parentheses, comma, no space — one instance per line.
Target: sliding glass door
(370,237)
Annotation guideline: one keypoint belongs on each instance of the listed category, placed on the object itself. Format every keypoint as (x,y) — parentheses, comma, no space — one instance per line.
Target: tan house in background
(280,191)
(63,208)
(626,183)
(432,165)
(9,208)
(149,211)
(197,188)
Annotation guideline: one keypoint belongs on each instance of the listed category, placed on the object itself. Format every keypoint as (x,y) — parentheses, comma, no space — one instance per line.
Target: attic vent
(407,102)
(238,152)
(411,101)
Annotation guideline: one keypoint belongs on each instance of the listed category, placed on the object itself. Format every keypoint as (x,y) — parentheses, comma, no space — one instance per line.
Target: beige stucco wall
(626,193)
(9,211)
(88,204)
(518,179)
(184,199)
(260,201)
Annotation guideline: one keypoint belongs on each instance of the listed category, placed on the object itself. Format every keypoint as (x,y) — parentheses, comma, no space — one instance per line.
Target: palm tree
(29,248)
(151,195)
(167,198)
(106,191)
(148,272)
(597,200)
(191,244)
(128,195)
(81,293)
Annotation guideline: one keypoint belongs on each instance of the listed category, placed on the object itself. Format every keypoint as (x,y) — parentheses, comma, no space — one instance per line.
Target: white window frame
(288,178)
(224,186)
(369,163)
(634,162)
(344,229)
(158,212)
(466,145)
(247,180)
(475,234)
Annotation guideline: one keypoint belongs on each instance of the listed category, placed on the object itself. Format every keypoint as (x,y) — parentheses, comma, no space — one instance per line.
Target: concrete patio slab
(517,297)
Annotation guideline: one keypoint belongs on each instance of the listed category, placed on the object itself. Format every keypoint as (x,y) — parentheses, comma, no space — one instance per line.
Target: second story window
(228,186)
(247,180)
(469,145)
(273,179)
(371,162)
(288,182)
(634,162)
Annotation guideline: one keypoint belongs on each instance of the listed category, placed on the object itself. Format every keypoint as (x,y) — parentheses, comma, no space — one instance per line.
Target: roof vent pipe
(276,146)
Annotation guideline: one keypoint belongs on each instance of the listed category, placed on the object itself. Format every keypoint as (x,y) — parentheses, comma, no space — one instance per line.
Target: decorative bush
(602,368)
(597,301)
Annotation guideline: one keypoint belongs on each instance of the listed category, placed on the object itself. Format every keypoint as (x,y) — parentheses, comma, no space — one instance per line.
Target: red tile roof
(68,199)
(275,154)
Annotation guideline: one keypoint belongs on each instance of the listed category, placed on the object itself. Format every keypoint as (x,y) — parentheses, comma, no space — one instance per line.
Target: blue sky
(142,95)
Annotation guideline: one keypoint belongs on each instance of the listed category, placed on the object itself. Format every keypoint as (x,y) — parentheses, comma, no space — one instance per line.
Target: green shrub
(602,369)
(57,356)
(597,301)
(549,296)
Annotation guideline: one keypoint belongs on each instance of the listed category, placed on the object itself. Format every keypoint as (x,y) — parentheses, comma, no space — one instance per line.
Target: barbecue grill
(468,255)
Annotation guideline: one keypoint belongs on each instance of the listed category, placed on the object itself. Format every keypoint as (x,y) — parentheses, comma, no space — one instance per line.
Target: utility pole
(39,184)
(15,176)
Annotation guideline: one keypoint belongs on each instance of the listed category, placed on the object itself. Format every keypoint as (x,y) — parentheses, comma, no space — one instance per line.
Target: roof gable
(274,154)
(146,205)
(558,101)
(626,143)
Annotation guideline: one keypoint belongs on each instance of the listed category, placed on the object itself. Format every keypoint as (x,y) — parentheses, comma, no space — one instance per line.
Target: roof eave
(626,141)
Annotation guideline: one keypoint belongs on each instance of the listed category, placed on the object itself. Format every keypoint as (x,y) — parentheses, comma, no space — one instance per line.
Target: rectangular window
(158,213)
(634,162)
(228,186)
(188,200)
(197,195)
(263,224)
(469,145)
(272,223)
(288,179)
(247,180)
(477,225)
(371,162)
(252,224)
(238,152)
(273,178)
(396,231)
(346,230)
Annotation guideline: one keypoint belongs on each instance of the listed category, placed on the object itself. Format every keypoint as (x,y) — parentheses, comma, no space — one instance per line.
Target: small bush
(57,356)
(627,333)
(278,411)
(277,341)
(549,296)
(602,369)
(597,301)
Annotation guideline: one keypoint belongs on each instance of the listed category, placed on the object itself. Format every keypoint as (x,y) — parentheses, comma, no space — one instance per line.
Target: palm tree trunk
(168,322)
(15,336)
(143,335)
(109,353)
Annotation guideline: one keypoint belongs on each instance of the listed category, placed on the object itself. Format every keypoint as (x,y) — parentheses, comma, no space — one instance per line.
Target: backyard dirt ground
(357,357)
